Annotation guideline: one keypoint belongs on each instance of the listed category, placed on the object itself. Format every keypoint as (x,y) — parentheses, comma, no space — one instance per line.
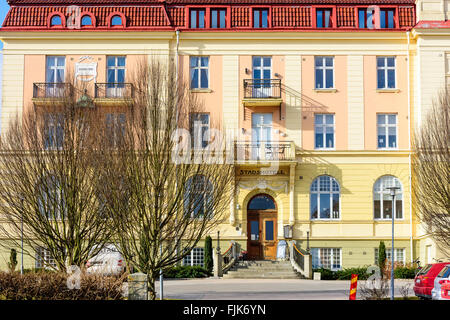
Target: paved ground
(262,289)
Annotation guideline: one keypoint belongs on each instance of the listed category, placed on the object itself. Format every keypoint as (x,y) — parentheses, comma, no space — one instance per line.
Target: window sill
(388,90)
(387,149)
(201,90)
(325,90)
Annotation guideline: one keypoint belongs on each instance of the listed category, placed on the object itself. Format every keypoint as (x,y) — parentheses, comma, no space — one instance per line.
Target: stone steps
(262,269)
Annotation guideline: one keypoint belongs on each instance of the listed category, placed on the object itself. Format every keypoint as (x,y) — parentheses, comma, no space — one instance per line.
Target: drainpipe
(409,148)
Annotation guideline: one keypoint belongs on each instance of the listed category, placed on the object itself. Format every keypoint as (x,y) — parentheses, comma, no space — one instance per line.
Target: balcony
(268,151)
(262,92)
(113,94)
(47,93)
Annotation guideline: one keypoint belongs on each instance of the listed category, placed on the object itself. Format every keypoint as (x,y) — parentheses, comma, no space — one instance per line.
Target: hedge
(53,286)
(186,272)
(346,274)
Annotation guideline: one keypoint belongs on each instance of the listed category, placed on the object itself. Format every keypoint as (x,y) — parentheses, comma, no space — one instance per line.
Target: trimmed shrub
(400,272)
(53,286)
(208,254)
(186,272)
(405,272)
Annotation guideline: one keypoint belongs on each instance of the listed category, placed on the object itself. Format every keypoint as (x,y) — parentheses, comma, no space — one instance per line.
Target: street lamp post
(392,189)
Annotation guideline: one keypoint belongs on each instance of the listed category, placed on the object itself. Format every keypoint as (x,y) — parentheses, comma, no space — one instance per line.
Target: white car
(108,261)
(442,277)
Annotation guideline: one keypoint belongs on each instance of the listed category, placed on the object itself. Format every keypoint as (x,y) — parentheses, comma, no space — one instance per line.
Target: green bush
(208,254)
(186,272)
(346,274)
(405,272)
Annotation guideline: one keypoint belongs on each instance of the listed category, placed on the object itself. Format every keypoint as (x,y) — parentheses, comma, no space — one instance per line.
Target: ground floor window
(399,255)
(194,258)
(328,258)
(44,259)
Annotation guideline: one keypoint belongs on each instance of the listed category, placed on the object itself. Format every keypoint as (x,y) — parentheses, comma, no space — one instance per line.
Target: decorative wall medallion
(86,69)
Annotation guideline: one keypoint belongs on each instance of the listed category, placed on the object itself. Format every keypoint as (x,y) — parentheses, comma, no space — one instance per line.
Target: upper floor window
(198,197)
(324,198)
(199,72)
(324,131)
(218,18)
(324,18)
(324,70)
(115,128)
(198,18)
(116,21)
(199,125)
(56,21)
(50,198)
(86,21)
(53,131)
(387,20)
(260,18)
(54,76)
(366,18)
(382,199)
(385,72)
(387,131)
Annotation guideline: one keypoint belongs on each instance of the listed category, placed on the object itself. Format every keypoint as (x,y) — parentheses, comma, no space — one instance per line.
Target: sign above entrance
(261,172)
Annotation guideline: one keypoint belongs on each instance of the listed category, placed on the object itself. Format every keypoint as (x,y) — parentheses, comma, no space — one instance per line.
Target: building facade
(321,95)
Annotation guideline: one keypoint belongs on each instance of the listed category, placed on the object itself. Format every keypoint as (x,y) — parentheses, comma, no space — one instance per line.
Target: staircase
(262,269)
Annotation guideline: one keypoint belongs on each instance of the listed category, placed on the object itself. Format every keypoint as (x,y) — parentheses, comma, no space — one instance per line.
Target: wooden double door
(262,234)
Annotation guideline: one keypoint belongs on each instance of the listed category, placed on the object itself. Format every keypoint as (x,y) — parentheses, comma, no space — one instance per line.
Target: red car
(445,291)
(424,281)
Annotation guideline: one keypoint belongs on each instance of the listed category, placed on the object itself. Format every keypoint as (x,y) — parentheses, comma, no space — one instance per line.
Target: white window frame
(44,260)
(117,125)
(54,122)
(194,256)
(324,68)
(388,255)
(385,69)
(323,126)
(199,67)
(331,193)
(196,126)
(386,126)
(383,191)
(116,91)
(317,255)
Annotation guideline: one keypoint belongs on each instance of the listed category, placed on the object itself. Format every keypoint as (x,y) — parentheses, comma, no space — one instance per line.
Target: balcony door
(262,72)
(54,76)
(261,133)
(115,75)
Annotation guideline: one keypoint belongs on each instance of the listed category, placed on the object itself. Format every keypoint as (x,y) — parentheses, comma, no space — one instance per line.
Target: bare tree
(162,197)
(47,161)
(431,168)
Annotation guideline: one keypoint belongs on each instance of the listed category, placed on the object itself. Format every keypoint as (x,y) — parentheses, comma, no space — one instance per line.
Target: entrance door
(262,228)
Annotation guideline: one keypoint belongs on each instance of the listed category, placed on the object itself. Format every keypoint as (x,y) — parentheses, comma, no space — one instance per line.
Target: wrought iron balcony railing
(52,90)
(265,151)
(112,90)
(262,88)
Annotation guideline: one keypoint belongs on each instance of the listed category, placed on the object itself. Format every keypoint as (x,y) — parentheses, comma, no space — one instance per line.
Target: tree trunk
(151,287)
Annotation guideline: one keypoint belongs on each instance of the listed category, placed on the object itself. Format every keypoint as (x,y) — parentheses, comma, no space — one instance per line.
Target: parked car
(442,277)
(445,291)
(108,261)
(424,280)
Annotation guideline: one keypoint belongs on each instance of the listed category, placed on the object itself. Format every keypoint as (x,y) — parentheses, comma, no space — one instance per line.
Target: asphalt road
(263,289)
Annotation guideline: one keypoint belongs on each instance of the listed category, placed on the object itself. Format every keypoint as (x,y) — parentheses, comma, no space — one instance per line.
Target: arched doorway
(262,228)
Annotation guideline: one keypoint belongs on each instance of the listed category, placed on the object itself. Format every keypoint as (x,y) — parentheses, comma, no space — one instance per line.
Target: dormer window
(366,18)
(387,20)
(324,18)
(116,21)
(198,18)
(260,18)
(56,21)
(218,18)
(86,21)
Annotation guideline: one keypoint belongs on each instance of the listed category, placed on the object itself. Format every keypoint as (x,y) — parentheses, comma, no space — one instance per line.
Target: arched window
(324,195)
(86,21)
(56,21)
(50,198)
(116,21)
(198,197)
(382,199)
(261,202)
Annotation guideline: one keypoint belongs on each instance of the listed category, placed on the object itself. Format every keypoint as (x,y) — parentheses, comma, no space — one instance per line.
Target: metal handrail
(230,256)
(299,257)
(262,88)
(265,150)
(52,89)
(114,90)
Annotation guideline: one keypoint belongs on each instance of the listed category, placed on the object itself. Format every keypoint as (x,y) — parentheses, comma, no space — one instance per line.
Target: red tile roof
(170,14)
